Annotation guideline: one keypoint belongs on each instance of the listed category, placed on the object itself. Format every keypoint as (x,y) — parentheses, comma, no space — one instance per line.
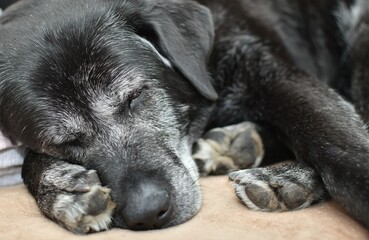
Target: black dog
(122,87)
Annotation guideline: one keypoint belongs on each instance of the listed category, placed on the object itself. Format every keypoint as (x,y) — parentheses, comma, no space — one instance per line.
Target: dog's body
(261,55)
(121,87)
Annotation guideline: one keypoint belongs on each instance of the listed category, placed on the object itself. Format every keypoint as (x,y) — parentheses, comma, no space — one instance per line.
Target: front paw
(232,147)
(277,189)
(77,200)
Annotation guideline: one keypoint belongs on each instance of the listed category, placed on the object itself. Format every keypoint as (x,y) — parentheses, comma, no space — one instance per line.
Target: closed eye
(75,140)
(137,98)
(131,104)
(73,143)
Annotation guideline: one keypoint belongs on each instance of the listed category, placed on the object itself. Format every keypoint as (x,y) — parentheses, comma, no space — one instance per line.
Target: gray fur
(74,198)
(91,109)
(79,84)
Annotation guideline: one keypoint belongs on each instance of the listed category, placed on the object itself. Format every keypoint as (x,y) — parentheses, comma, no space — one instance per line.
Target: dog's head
(116,86)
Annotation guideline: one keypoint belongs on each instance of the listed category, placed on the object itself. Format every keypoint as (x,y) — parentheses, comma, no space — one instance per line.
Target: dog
(111,98)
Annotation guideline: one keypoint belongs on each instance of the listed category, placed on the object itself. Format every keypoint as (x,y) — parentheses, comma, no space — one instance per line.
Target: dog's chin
(186,188)
(187,207)
(183,218)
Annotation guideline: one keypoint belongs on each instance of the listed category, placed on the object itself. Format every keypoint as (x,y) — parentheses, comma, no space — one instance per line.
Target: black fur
(6,3)
(267,75)
(272,63)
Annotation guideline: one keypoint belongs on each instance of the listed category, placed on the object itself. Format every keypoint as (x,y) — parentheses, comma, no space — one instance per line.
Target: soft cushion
(221,217)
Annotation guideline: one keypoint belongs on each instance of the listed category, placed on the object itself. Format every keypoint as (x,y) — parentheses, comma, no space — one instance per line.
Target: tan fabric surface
(222,217)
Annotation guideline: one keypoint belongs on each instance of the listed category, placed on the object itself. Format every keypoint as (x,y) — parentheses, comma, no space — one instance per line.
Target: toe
(293,195)
(100,202)
(262,196)
(236,175)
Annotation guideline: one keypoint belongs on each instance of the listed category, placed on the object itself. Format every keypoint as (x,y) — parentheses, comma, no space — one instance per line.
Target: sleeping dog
(110,97)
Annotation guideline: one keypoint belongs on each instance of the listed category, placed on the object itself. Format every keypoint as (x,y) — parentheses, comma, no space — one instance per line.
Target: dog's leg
(322,129)
(284,187)
(68,193)
(290,186)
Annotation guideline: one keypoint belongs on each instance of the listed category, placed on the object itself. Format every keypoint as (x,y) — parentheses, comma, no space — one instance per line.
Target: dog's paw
(79,202)
(278,188)
(232,147)
(84,212)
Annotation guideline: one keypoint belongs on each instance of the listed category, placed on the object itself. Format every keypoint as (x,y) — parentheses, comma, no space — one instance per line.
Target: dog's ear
(183,32)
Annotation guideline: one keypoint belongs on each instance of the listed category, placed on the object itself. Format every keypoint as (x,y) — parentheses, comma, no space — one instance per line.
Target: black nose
(147,206)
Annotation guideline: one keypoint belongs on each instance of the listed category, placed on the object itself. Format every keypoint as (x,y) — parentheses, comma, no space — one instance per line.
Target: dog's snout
(147,206)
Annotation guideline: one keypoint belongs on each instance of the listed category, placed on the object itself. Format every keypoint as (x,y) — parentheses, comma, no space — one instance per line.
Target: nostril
(161,219)
(161,214)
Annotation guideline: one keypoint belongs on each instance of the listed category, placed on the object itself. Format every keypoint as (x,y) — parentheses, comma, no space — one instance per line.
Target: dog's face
(116,89)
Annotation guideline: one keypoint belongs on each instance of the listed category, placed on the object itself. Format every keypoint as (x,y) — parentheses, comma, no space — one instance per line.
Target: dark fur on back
(272,63)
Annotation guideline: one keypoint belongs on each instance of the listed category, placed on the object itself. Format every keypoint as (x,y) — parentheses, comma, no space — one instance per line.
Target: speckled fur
(275,63)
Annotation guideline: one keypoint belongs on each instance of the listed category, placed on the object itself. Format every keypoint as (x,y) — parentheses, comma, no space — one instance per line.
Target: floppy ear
(184,33)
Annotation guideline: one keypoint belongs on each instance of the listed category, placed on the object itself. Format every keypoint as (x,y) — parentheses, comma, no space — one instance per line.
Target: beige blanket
(221,217)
